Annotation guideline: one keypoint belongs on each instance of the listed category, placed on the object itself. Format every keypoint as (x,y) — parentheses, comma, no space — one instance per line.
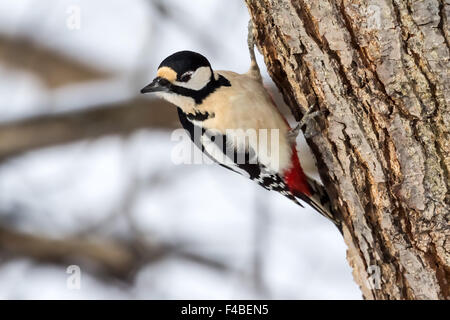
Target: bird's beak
(158,85)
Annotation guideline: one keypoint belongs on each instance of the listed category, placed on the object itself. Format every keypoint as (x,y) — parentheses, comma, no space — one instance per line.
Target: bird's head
(182,77)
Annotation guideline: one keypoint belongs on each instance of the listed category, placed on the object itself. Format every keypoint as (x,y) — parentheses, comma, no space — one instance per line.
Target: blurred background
(91,204)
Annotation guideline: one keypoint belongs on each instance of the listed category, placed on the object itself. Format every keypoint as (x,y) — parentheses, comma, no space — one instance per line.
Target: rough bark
(379,72)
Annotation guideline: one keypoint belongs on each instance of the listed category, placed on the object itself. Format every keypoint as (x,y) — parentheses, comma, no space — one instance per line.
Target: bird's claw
(308,116)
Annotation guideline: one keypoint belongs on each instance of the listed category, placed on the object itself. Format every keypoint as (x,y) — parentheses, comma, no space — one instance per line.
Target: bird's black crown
(183,61)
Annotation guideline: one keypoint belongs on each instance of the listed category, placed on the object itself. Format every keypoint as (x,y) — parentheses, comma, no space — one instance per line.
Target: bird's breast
(245,113)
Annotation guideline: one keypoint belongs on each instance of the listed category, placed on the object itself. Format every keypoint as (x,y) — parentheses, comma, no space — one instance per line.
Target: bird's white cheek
(199,79)
(185,103)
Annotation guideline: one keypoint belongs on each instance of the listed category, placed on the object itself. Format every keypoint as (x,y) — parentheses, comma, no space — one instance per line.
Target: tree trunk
(378,70)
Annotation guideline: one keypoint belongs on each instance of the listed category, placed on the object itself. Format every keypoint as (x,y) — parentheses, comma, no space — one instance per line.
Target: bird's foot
(308,116)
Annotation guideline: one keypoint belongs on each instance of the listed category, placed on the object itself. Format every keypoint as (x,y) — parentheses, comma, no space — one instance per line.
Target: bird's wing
(244,162)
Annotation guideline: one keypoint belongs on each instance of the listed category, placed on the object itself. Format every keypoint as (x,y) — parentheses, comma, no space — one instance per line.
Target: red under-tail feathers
(295,178)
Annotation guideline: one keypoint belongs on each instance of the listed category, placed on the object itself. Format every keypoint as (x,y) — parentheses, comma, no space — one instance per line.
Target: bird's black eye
(186,77)
(163,82)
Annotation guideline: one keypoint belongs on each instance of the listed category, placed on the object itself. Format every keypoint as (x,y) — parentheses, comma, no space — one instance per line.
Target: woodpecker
(221,109)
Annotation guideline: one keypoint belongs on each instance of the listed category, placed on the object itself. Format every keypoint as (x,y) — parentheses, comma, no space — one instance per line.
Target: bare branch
(52,67)
(113,258)
(49,130)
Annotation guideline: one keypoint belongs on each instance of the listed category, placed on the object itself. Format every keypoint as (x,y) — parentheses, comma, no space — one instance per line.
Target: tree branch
(107,258)
(52,67)
(49,130)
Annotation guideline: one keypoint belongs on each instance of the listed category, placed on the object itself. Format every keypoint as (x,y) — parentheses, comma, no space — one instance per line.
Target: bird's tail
(320,201)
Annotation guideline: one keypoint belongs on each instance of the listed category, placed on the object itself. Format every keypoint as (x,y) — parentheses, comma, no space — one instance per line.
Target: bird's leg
(254,68)
(293,133)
